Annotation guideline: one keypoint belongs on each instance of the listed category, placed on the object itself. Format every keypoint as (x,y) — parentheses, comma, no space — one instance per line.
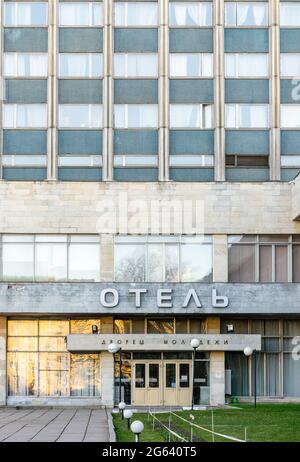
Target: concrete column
(219,112)
(220,258)
(107,379)
(217,366)
(52,91)
(107,258)
(217,378)
(107,150)
(163,91)
(3,365)
(275,163)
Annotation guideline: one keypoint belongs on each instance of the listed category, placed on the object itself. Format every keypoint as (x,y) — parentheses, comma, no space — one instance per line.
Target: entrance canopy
(160,342)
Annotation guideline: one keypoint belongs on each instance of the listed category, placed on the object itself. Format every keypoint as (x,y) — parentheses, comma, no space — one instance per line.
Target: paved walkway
(50,425)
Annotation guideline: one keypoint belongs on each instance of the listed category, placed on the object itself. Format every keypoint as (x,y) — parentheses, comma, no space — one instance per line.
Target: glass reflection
(85,375)
(39,365)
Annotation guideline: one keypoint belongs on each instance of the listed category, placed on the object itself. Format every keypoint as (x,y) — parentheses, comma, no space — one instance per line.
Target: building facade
(150,195)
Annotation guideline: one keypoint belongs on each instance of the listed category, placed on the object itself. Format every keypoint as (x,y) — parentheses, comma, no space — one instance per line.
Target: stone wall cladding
(58,207)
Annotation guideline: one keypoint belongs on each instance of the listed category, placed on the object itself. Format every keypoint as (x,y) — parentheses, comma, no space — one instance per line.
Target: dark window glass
(154,375)
(140,375)
(171,375)
(138,326)
(181,326)
(197,326)
(252,161)
(241,263)
(150,355)
(179,355)
(184,375)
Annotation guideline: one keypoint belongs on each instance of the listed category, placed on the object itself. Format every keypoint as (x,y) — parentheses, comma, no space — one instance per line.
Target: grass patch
(266,423)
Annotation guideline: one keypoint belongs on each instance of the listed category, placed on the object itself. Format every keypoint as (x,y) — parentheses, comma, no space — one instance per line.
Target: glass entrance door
(147,389)
(177,389)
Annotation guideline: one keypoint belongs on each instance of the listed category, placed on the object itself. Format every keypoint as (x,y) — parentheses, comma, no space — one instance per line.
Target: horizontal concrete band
(182,298)
(153,342)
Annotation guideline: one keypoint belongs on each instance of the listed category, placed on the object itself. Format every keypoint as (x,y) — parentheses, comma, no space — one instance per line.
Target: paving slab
(53,425)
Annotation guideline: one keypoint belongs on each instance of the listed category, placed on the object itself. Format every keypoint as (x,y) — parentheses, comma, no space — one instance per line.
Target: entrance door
(177,383)
(147,383)
(154,385)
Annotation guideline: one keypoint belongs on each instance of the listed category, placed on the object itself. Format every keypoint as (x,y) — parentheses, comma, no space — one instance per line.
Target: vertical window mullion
(274,262)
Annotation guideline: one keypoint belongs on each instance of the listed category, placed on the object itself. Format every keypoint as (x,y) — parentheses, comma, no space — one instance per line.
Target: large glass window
(191,65)
(263,259)
(289,14)
(39,364)
(25,64)
(290,115)
(151,259)
(80,14)
(190,14)
(247,115)
(290,64)
(136,14)
(25,13)
(246,14)
(136,115)
(160,326)
(246,65)
(25,115)
(191,115)
(80,115)
(50,258)
(135,65)
(80,65)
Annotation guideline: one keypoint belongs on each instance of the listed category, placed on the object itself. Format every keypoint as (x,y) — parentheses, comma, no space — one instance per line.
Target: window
(25,13)
(263,259)
(246,14)
(25,115)
(246,161)
(163,259)
(190,14)
(246,65)
(136,115)
(132,160)
(195,160)
(25,65)
(39,365)
(290,14)
(80,161)
(80,115)
(160,326)
(135,65)
(80,65)
(50,258)
(241,259)
(191,65)
(290,161)
(24,161)
(290,64)
(136,14)
(247,115)
(191,115)
(80,14)
(290,115)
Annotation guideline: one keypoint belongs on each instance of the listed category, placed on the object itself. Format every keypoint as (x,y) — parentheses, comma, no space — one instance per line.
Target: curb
(111,428)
